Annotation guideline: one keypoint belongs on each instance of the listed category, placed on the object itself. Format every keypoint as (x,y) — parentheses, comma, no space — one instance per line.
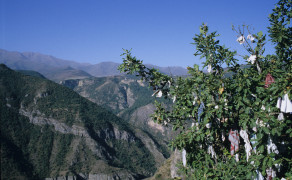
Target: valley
(103,130)
(59,133)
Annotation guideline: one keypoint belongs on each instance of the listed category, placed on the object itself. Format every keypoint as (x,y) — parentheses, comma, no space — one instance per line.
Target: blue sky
(159,31)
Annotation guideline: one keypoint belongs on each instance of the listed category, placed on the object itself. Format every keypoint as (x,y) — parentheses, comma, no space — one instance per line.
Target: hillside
(31,73)
(126,96)
(48,130)
(102,69)
(34,61)
(58,75)
(111,69)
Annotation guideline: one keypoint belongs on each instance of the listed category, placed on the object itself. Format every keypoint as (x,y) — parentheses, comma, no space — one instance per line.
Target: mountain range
(48,130)
(58,69)
(124,97)
(127,97)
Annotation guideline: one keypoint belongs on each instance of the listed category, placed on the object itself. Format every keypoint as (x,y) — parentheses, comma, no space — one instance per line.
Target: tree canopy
(234,121)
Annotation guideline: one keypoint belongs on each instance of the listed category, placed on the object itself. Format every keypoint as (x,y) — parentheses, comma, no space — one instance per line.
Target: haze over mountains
(58,69)
(49,130)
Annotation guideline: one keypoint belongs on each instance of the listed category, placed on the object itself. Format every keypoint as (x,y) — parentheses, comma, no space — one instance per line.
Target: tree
(238,129)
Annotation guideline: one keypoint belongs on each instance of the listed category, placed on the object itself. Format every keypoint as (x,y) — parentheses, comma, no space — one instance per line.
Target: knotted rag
(234,139)
(284,104)
(269,80)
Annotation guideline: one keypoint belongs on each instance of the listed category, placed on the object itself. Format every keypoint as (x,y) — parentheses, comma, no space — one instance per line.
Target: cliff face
(118,176)
(50,131)
(115,93)
(129,98)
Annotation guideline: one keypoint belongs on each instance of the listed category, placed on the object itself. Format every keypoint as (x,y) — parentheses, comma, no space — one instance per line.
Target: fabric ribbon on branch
(158,93)
(259,176)
(269,80)
(184,158)
(211,151)
(247,145)
(284,104)
(280,117)
(271,147)
(234,139)
(253,141)
(270,174)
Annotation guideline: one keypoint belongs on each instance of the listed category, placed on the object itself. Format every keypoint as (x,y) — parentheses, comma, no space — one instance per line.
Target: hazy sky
(159,31)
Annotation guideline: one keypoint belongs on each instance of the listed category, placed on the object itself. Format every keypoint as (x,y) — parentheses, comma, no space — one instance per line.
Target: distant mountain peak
(47,65)
(69,68)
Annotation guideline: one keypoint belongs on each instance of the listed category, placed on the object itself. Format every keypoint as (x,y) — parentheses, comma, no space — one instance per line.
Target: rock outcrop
(48,130)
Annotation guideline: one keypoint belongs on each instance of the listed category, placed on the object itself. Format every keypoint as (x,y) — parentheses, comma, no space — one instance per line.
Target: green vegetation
(123,95)
(243,104)
(128,159)
(29,145)
(39,151)
(111,92)
(31,73)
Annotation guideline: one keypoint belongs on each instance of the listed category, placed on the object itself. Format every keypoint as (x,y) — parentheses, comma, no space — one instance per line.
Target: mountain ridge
(43,122)
(47,64)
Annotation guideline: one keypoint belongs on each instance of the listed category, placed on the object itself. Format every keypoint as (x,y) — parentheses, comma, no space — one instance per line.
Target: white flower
(209,68)
(252,59)
(216,107)
(241,39)
(250,37)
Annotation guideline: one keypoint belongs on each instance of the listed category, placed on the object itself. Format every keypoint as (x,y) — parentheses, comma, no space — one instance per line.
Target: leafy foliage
(216,104)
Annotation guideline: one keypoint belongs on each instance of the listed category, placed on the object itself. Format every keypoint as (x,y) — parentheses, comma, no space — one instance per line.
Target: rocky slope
(126,96)
(60,74)
(50,131)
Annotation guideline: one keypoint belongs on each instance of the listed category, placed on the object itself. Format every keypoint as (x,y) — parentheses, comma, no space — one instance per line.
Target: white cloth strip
(184,158)
(247,145)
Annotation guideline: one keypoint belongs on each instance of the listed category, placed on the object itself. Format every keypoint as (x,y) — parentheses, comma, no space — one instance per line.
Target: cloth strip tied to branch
(247,145)
(269,80)
(184,158)
(234,139)
(284,104)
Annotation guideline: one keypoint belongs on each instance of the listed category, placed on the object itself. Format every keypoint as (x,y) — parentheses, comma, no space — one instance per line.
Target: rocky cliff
(50,131)
(129,98)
